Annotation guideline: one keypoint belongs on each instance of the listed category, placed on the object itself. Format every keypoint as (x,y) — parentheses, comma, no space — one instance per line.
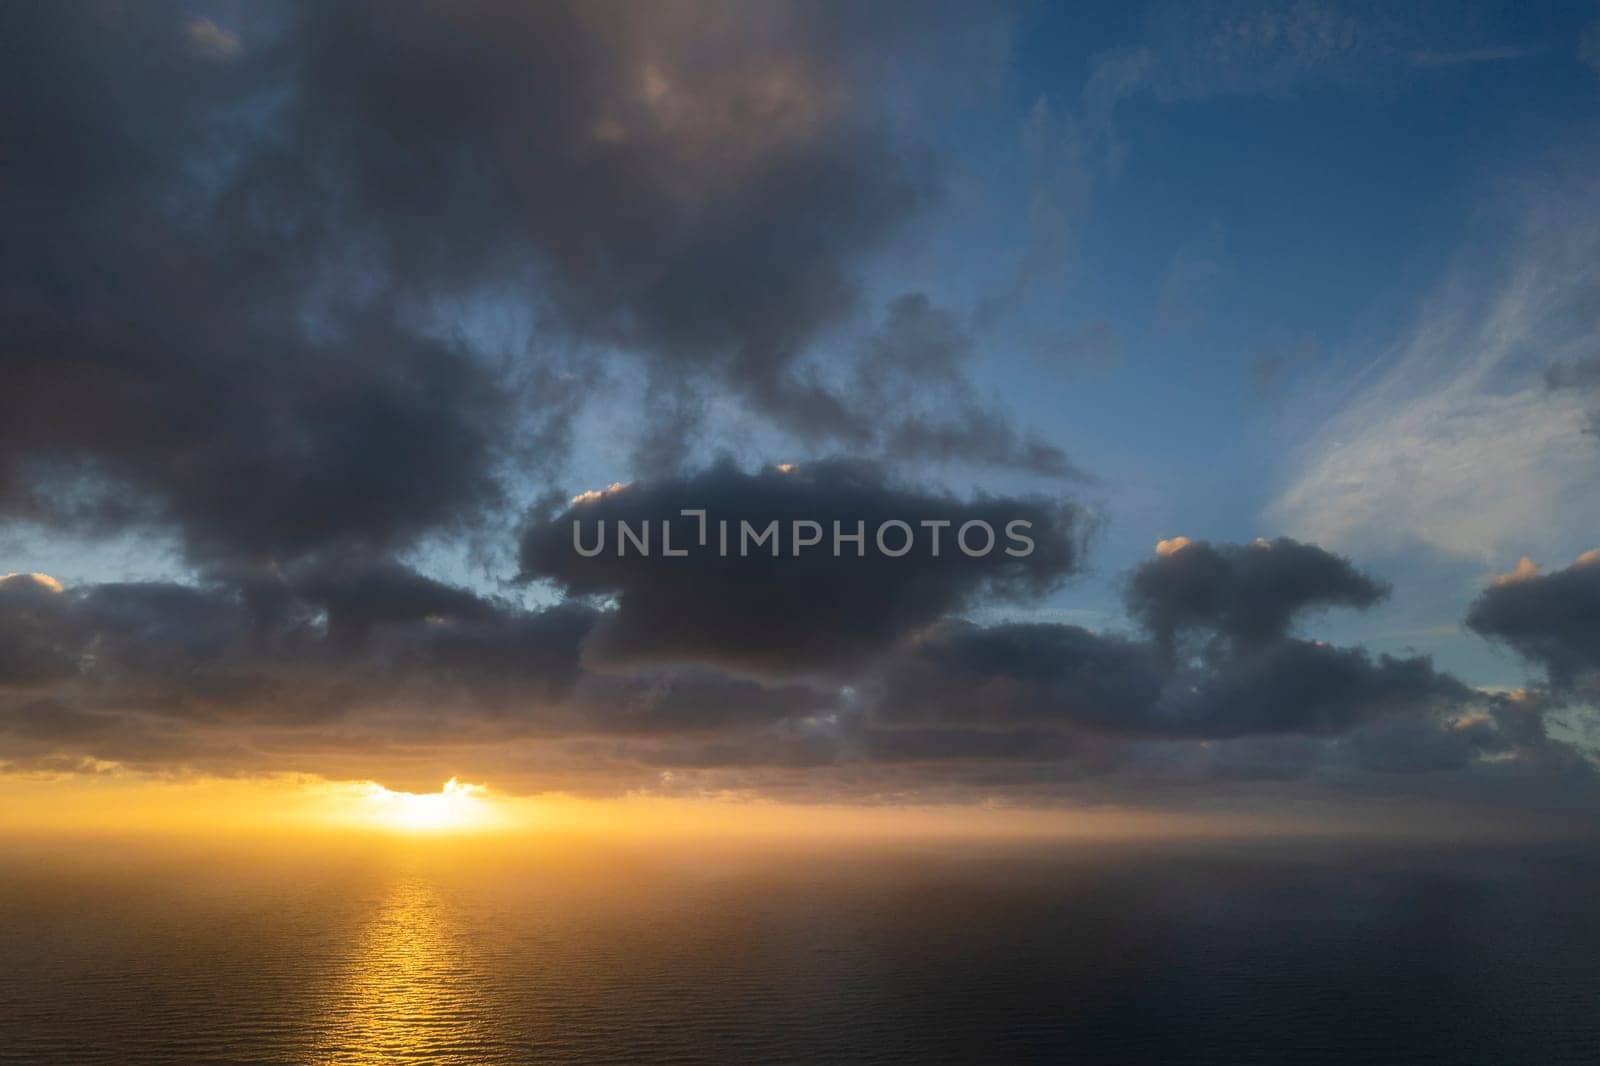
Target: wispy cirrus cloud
(1454,436)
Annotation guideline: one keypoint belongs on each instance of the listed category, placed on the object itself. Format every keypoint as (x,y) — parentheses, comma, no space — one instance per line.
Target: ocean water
(440,952)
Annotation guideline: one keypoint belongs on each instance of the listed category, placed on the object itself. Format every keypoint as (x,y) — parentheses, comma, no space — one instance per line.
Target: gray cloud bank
(779,677)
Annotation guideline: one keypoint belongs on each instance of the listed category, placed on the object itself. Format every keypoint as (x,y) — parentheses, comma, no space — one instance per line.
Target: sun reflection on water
(407,996)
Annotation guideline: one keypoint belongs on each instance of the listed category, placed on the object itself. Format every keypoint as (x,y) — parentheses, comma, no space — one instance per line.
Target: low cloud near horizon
(370,669)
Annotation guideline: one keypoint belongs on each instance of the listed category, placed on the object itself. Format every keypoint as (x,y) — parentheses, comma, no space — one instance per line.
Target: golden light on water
(407,992)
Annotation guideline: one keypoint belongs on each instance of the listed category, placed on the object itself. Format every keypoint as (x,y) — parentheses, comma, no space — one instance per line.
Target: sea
(519,950)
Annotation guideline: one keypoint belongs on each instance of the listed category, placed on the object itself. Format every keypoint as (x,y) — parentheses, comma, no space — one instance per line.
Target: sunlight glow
(454,807)
(276,808)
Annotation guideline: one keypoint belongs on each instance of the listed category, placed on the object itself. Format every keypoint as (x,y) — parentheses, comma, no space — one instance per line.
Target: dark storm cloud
(1296,686)
(339,668)
(1551,619)
(1082,681)
(1412,744)
(335,657)
(278,646)
(1247,702)
(1064,674)
(690,180)
(792,612)
(1246,592)
(333,661)
(509,657)
(689,700)
(962,744)
(162,351)
(236,252)
(36,642)
(355,600)
(743,757)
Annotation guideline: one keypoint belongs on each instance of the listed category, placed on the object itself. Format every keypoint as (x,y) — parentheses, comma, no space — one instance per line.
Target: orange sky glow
(288,806)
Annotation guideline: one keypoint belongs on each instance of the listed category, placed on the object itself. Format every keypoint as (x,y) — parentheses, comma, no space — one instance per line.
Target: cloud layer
(765,672)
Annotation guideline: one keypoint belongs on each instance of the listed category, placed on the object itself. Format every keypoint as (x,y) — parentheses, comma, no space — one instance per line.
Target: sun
(456,806)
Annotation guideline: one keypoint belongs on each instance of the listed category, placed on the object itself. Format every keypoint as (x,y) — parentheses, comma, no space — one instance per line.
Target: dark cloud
(961,744)
(1086,682)
(792,613)
(368,669)
(692,182)
(1412,744)
(36,642)
(743,759)
(512,660)
(1551,619)
(690,700)
(1038,673)
(1248,593)
(356,600)
(1247,703)
(1296,686)
(337,669)
(174,345)
(244,256)
(285,648)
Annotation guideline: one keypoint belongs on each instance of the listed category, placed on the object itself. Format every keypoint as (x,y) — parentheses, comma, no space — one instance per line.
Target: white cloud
(1453,438)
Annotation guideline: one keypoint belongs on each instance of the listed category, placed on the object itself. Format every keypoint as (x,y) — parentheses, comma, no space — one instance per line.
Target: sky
(320,326)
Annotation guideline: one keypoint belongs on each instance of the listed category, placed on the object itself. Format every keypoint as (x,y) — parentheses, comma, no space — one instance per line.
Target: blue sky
(1261,236)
